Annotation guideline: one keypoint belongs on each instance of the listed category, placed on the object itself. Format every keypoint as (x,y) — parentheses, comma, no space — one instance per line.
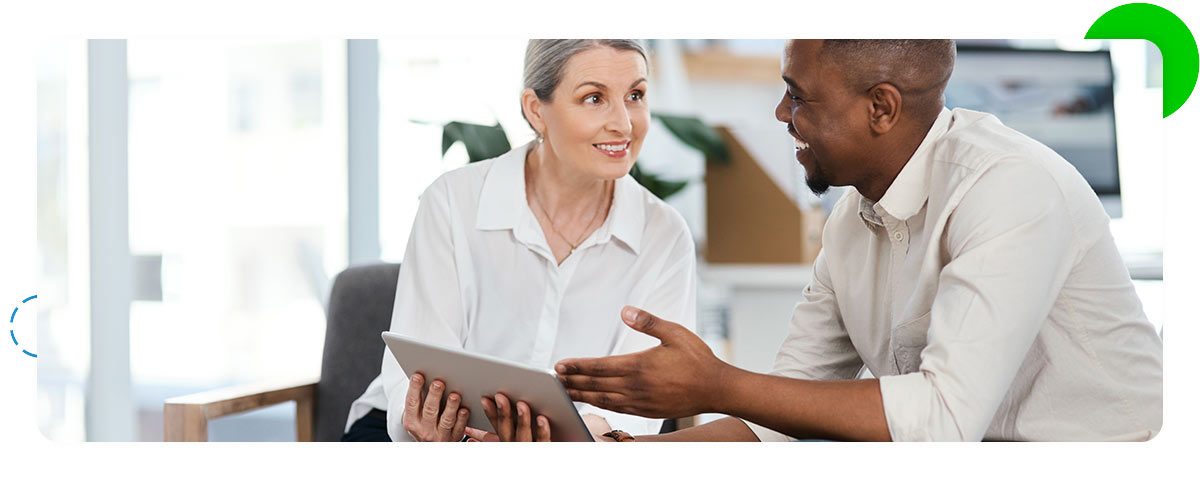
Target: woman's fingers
(504,420)
(596,424)
(449,418)
(460,426)
(433,405)
(412,405)
(477,435)
(543,429)
(524,431)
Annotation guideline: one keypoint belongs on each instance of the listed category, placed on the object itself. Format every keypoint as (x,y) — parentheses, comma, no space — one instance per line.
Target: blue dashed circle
(12,319)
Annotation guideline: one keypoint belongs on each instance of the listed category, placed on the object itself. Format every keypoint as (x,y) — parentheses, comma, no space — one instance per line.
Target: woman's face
(598,116)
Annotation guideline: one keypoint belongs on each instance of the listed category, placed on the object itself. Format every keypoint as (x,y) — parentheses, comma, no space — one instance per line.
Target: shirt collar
(503,205)
(627,217)
(866,211)
(908,192)
(502,199)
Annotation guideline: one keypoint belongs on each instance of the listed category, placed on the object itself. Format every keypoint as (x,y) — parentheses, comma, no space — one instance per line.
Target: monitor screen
(1063,99)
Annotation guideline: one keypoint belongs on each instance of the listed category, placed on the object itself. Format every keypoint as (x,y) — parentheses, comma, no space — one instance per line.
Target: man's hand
(680,377)
(512,423)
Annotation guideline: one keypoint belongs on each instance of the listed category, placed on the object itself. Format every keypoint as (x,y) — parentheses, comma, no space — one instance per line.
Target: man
(971,270)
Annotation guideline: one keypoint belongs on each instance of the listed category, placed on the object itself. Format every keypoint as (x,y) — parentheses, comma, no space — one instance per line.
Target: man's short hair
(920,69)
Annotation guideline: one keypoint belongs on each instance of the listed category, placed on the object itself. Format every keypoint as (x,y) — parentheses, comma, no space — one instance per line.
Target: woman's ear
(531,105)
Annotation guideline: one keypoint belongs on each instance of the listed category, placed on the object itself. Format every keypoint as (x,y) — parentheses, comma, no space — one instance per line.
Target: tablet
(474,376)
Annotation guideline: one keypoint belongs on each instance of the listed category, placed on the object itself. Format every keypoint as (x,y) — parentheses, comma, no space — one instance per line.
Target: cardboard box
(750,219)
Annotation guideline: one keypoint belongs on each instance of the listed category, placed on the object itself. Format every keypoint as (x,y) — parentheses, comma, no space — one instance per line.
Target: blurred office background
(188,243)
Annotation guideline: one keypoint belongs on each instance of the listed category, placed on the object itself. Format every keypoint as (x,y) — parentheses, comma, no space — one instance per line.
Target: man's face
(826,119)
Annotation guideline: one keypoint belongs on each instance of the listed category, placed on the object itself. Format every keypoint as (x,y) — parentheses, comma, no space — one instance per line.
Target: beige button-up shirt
(985,292)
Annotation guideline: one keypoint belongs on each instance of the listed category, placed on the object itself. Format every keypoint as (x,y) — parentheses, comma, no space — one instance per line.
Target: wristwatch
(620,436)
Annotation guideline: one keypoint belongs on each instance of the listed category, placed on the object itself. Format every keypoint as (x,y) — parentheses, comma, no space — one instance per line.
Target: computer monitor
(1063,99)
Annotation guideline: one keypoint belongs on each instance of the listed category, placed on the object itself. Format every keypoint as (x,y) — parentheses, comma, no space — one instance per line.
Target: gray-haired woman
(530,256)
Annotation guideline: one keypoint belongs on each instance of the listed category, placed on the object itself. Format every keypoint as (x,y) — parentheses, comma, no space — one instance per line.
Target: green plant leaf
(696,134)
(662,189)
(482,141)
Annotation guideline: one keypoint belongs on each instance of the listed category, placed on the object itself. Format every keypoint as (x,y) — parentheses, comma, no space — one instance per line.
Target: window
(237,166)
(62,237)
(237,219)
(422,85)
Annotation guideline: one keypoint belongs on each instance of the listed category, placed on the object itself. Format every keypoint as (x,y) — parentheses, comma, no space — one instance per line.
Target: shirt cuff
(906,413)
(765,434)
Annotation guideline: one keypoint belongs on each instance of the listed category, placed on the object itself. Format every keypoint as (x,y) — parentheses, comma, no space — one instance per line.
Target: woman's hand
(425,421)
(512,423)
(597,426)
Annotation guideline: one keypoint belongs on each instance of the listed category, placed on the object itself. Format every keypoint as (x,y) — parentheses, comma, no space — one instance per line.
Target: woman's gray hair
(546,59)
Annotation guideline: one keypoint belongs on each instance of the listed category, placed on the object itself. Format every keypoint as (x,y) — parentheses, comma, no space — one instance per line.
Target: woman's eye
(636,96)
(593,99)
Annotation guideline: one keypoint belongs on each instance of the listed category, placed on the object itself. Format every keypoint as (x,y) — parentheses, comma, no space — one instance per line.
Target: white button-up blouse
(479,275)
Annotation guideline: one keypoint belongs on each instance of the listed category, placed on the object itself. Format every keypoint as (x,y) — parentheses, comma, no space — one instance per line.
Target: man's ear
(886,103)
(531,105)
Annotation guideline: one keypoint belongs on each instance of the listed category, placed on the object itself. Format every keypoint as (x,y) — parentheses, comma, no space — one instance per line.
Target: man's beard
(816,181)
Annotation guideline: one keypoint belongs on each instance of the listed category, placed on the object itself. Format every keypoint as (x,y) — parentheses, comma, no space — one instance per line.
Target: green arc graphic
(1159,26)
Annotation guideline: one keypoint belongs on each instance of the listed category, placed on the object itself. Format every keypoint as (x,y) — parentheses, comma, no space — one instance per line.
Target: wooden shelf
(725,66)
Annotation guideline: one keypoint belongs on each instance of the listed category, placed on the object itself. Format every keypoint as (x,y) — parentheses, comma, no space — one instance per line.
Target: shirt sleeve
(817,346)
(1010,253)
(428,305)
(673,298)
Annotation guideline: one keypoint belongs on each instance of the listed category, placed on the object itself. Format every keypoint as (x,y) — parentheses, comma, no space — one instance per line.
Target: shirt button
(898,236)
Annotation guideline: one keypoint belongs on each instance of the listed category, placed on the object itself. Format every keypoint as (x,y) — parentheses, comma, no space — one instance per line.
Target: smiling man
(971,270)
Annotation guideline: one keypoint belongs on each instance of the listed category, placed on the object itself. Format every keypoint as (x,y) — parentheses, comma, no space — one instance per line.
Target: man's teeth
(612,148)
(801,145)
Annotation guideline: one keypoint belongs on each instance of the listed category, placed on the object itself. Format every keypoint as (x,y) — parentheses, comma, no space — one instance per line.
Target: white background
(24,453)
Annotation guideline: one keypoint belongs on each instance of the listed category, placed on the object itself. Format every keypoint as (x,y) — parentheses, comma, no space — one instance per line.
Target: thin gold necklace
(586,230)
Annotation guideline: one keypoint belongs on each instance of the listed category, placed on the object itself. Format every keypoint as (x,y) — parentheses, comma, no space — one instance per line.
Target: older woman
(530,256)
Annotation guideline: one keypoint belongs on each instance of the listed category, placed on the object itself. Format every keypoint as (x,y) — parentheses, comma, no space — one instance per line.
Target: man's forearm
(835,410)
(723,430)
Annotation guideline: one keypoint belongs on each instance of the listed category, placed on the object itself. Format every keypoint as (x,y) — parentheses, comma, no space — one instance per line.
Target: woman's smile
(613,149)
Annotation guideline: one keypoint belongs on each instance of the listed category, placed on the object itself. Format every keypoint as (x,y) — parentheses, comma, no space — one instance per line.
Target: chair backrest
(360,306)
